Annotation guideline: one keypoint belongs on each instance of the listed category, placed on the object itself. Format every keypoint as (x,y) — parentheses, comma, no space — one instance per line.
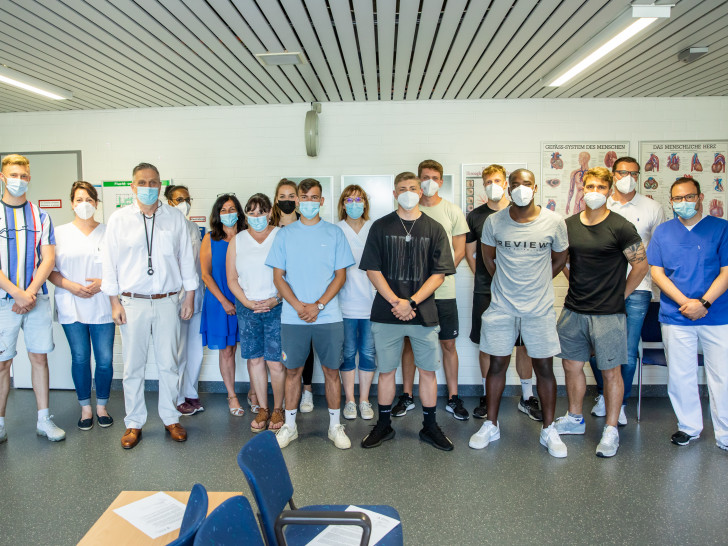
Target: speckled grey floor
(511,493)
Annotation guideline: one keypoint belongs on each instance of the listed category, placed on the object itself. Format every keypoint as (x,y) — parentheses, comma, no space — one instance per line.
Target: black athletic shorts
(447,314)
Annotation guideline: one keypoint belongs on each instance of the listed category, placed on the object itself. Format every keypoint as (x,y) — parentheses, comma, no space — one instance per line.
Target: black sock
(429,416)
(385,414)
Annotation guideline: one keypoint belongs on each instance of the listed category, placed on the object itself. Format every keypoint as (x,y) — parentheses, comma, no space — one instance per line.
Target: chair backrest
(195,514)
(651,332)
(262,462)
(233,522)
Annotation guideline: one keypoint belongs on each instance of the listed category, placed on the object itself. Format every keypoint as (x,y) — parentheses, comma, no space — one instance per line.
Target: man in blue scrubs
(689,262)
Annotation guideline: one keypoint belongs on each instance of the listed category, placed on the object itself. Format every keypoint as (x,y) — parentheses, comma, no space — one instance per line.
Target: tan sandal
(277,419)
(237,412)
(260,419)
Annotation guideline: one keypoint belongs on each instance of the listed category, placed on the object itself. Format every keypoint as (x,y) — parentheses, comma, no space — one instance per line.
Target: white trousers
(160,319)
(681,347)
(189,357)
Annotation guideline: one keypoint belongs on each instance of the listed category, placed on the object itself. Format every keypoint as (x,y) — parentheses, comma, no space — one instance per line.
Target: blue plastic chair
(233,522)
(652,356)
(264,468)
(195,514)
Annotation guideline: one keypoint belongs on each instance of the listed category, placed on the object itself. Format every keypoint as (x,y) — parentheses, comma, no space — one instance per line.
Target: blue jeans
(358,338)
(80,339)
(636,305)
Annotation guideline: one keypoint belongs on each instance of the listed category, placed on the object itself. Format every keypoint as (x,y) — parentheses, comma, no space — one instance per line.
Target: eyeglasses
(633,174)
(350,200)
(690,198)
(182,200)
(230,193)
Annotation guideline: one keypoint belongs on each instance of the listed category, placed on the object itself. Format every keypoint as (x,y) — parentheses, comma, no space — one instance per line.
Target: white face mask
(494,192)
(84,210)
(594,199)
(522,196)
(430,187)
(408,200)
(626,184)
(184,206)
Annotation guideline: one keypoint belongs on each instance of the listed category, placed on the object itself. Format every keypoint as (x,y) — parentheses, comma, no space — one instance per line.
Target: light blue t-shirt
(310,255)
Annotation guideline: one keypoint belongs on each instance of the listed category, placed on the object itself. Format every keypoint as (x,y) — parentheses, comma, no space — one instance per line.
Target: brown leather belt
(147,296)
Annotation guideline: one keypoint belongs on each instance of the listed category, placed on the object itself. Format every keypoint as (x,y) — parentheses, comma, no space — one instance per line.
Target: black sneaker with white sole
(681,438)
(434,436)
(403,405)
(531,407)
(380,433)
(481,411)
(455,406)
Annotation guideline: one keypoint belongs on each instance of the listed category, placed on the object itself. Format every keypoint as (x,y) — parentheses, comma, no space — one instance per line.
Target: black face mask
(287,207)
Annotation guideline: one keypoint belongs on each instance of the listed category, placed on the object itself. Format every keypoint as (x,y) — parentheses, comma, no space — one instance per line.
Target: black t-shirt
(598,267)
(407,265)
(475,220)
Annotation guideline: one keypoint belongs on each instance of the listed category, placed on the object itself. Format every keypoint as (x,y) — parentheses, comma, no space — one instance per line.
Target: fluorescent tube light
(282,58)
(28,83)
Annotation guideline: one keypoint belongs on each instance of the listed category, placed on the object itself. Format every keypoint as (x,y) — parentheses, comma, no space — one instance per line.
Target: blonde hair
(407,175)
(602,173)
(15,159)
(349,190)
(490,170)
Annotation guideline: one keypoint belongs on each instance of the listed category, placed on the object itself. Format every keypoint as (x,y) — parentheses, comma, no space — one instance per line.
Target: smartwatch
(705,303)
(320,306)
(413,303)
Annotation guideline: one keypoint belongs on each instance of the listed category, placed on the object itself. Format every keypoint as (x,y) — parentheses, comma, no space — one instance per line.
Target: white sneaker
(306,402)
(720,444)
(350,410)
(622,421)
(550,440)
(488,433)
(365,408)
(46,427)
(286,435)
(599,409)
(339,437)
(3,434)
(609,444)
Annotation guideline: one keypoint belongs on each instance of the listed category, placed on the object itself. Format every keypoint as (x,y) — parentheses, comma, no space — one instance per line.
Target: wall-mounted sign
(49,203)
(117,194)
(198,219)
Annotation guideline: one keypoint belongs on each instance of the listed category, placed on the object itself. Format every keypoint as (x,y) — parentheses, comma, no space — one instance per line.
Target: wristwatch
(413,303)
(705,303)
(320,306)
(279,300)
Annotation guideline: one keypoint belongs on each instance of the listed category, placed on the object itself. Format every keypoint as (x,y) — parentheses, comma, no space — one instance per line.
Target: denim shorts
(36,325)
(358,339)
(260,333)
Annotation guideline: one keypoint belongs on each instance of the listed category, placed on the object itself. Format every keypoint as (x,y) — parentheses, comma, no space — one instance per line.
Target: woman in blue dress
(219,324)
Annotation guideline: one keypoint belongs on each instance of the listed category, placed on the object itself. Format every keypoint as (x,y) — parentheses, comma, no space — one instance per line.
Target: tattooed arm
(637,258)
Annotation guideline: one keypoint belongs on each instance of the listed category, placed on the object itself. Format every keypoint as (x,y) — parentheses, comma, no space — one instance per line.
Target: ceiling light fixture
(281,58)
(29,83)
(630,23)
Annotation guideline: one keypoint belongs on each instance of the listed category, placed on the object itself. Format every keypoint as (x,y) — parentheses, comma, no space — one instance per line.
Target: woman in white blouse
(83,310)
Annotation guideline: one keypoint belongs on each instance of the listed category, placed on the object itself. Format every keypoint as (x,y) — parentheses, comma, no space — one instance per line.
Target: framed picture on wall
(473,193)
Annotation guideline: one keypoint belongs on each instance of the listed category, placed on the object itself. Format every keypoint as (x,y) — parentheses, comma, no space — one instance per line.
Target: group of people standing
(283,284)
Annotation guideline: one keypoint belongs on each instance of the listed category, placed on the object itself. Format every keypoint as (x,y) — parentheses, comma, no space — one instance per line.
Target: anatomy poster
(563,165)
(664,162)
(473,190)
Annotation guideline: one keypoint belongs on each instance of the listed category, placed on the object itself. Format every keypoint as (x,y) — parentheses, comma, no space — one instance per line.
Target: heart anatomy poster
(563,165)
(472,177)
(663,162)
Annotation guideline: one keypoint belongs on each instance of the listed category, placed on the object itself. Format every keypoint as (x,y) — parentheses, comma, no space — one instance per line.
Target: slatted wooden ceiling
(146,53)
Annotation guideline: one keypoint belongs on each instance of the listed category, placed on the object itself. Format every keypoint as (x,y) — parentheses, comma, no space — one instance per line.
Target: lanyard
(149,241)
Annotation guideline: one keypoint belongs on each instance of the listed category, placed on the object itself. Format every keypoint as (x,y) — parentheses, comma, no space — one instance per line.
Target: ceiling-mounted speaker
(311,129)
(691,54)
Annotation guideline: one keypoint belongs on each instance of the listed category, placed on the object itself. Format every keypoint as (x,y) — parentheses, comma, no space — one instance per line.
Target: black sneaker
(380,433)
(481,412)
(403,405)
(681,438)
(434,436)
(455,406)
(531,407)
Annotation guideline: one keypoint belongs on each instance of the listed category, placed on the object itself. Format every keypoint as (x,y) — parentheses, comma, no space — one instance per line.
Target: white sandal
(237,412)
(254,408)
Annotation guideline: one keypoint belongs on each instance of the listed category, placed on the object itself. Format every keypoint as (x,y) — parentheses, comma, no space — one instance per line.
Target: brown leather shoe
(131,438)
(177,432)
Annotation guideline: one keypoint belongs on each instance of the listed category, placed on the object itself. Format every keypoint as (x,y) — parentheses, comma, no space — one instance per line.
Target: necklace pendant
(408,238)
(150,271)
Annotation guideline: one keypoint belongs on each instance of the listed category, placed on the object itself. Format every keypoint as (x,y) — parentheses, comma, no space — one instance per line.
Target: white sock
(291,418)
(44,414)
(334,417)
(527,388)
(2,421)
(484,391)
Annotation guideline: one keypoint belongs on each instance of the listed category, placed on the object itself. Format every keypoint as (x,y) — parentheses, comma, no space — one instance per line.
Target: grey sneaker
(365,408)
(609,444)
(599,409)
(3,434)
(350,410)
(569,425)
(46,427)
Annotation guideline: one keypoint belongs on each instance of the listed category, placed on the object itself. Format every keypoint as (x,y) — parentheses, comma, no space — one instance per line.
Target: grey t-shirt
(522,282)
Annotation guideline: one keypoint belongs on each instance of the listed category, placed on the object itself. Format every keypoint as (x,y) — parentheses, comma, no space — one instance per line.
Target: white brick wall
(247,149)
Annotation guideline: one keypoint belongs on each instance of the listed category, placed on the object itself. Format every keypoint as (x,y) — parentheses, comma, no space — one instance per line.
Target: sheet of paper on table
(155,516)
(350,535)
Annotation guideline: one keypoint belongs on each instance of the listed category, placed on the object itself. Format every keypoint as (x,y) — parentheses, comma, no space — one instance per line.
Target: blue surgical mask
(16,186)
(258,223)
(146,195)
(684,209)
(309,209)
(229,219)
(354,210)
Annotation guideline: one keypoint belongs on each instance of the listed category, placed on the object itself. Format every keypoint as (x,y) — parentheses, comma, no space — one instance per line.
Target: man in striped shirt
(27,256)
